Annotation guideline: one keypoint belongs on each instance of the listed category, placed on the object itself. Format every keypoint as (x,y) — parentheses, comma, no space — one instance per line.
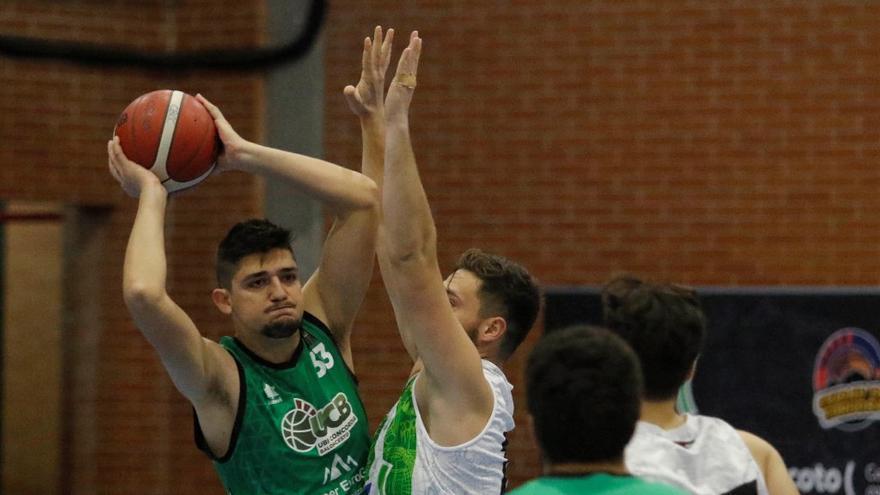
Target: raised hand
(230,155)
(132,177)
(404,83)
(365,99)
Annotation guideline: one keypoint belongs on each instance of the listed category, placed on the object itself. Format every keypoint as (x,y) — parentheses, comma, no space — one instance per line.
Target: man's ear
(222,300)
(495,328)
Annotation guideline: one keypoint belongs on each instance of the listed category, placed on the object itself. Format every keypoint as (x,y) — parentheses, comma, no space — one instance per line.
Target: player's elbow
(142,297)
(372,201)
(369,196)
(372,194)
(418,251)
(362,197)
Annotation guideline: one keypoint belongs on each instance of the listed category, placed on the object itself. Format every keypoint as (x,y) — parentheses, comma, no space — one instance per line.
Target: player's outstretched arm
(771,464)
(195,364)
(366,100)
(452,368)
(339,189)
(335,292)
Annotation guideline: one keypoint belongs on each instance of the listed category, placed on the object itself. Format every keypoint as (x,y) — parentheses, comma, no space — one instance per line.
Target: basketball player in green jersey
(276,406)
(447,432)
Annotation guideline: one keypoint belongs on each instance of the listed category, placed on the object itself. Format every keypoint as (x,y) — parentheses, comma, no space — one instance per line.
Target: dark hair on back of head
(507,290)
(246,238)
(663,323)
(583,388)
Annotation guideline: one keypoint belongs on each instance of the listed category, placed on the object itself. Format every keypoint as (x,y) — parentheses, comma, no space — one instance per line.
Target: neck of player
(662,413)
(273,350)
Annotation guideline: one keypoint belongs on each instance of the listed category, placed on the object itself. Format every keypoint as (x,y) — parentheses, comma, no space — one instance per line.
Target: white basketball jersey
(475,467)
(705,456)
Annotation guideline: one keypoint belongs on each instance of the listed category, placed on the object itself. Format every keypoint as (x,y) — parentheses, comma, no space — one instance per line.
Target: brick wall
(706,142)
(55,119)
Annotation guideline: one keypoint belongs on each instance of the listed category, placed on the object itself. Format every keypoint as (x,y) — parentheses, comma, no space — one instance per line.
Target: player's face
(266,294)
(463,288)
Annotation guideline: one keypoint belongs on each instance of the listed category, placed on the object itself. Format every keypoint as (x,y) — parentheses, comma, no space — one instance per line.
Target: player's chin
(282,327)
(287,319)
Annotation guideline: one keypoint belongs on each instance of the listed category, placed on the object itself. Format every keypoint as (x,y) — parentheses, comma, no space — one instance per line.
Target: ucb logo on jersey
(304,427)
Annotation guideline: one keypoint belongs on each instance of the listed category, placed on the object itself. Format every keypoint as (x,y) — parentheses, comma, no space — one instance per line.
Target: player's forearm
(776,475)
(145,267)
(373,166)
(373,149)
(339,189)
(407,220)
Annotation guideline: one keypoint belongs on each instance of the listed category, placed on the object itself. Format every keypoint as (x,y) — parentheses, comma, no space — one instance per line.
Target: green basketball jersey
(300,428)
(396,440)
(597,484)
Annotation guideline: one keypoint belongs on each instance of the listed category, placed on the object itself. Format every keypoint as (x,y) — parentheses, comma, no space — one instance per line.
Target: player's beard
(472,333)
(281,329)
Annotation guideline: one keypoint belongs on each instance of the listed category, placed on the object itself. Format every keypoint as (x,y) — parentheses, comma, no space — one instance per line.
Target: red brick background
(55,119)
(706,142)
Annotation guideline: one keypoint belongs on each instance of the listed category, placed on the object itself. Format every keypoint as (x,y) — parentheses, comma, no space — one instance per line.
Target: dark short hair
(663,323)
(246,238)
(583,388)
(507,290)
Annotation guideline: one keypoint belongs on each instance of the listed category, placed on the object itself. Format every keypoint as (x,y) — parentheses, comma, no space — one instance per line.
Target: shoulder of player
(476,393)
(761,450)
(219,409)
(497,379)
(493,372)
(317,327)
(223,374)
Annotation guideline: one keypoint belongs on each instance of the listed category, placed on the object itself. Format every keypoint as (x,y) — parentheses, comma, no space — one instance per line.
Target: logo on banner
(846,380)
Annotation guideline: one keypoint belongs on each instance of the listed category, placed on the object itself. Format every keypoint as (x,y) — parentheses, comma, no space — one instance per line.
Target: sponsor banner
(798,367)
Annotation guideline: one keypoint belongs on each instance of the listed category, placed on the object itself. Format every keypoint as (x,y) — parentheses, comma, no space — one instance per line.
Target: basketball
(171,134)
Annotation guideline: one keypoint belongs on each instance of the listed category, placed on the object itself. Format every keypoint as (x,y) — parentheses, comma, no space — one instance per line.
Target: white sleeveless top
(705,456)
(474,467)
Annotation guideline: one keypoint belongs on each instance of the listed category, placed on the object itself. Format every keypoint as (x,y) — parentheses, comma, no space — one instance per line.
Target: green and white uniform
(594,484)
(405,461)
(300,426)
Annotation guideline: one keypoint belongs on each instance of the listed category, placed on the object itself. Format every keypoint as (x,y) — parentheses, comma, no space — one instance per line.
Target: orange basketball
(171,134)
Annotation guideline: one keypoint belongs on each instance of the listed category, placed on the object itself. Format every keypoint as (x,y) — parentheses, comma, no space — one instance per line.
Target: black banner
(798,367)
